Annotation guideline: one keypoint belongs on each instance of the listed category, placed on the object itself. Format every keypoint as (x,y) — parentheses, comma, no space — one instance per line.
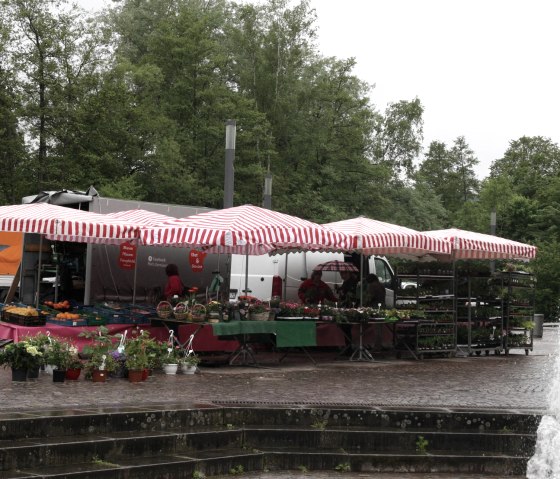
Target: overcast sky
(483,69)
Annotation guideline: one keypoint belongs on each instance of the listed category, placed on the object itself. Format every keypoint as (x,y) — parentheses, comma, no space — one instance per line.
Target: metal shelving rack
(519,307)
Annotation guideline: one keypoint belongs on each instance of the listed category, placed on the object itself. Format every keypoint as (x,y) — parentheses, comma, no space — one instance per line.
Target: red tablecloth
(17,332)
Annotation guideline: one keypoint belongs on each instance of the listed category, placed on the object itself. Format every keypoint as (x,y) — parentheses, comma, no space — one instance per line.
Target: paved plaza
(515,382)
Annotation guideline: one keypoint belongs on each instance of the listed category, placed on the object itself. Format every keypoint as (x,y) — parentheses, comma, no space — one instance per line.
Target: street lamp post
(230,156)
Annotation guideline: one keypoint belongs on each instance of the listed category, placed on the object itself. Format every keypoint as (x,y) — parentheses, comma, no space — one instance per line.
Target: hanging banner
(127,256)
(196,260)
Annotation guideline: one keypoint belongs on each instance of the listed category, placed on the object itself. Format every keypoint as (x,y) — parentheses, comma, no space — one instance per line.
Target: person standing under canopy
(375,292)
(174,286)
(314,290)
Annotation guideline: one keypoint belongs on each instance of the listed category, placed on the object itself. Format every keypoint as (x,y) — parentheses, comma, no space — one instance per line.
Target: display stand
(434,332)
(479,316)
(518,289)
(361,353)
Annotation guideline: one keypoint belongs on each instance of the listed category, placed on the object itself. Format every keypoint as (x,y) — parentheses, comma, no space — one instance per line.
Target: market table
(287,334)
(17,332)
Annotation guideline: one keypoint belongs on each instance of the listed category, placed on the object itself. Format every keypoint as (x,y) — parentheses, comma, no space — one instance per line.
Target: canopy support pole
(247,270)
(39,266)
(135,273)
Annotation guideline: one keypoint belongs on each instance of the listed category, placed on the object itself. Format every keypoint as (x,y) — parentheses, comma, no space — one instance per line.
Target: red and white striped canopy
(141,217)
(244,229)
(61,223)
(471,245)
(376,237)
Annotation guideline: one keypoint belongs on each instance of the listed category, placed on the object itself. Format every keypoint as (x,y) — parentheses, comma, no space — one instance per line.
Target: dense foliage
(135,102)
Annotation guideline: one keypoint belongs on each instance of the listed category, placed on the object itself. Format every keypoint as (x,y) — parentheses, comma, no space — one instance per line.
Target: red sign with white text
(127,256)
(196,260)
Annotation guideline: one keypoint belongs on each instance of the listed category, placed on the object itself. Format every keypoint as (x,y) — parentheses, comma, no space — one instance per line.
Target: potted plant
(74,368)
(258,311)
(170,360)
(20,357)
(59,353)
(41,341)
(136,362)
(214,311)
(99,363)
(189,363)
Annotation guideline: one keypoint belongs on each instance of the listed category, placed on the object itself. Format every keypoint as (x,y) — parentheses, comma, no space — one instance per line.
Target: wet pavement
(515,382)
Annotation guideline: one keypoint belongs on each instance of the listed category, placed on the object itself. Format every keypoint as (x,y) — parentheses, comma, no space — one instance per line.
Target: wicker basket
(181,311)
(164,309)
(198,312)
(259,316)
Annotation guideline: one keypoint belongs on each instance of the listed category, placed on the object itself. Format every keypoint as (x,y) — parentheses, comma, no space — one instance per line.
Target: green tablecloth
(288,333)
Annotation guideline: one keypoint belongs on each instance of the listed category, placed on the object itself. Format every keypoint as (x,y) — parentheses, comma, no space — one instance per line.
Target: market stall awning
(245,229)
(471,245)
(140,217)
(61,223)
(377,237)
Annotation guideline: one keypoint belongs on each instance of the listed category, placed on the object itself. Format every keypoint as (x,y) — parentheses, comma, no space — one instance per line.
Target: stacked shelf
(518,289)
(434,332)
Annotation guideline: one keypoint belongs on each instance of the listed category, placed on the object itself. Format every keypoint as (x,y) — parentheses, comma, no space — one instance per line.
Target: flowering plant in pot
(74,368)
(258,311)
(20,357)
(99,363)
(136,362)
(170,359)
(189,363)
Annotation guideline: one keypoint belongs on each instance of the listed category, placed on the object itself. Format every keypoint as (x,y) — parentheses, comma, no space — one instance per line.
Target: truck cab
(258,272)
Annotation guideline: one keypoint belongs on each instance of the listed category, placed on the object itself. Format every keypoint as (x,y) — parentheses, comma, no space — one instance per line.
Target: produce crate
(23,320)
(68,322)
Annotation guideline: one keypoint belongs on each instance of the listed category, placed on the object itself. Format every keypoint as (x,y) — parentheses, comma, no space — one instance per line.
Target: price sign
(127,256)
(196,260)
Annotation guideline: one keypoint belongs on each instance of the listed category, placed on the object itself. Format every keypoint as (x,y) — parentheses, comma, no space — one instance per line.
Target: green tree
(399,136)
(528,164)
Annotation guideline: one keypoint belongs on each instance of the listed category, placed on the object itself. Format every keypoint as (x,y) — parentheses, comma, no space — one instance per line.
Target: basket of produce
(181,311)
(164,309)
(198,312)
(23,315)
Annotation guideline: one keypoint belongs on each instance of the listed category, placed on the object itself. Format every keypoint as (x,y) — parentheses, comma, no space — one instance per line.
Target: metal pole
(230,156)
(267,198)
(39,266)
(493,233)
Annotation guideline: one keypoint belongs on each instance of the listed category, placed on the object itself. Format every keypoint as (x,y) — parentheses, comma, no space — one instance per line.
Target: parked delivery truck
(258,272)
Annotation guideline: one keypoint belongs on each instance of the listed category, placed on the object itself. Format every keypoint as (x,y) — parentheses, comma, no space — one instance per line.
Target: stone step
(401,463)
(85,449)
(16,455)
(163,466)
(103,421)
(239,462)
(390,440)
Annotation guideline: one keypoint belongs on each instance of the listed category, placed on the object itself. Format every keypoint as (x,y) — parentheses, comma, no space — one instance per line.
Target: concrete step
(391,440)
(163,466)
(154,442)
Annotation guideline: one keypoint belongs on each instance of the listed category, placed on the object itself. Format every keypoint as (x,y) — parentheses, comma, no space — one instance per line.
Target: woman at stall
(174,284)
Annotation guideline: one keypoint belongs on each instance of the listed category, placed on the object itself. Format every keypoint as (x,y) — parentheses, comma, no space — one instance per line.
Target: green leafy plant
(21,355)
(303,469)
(235,470)
(343,467)
(319,424)
(421,444)
(60,353)
(198,475)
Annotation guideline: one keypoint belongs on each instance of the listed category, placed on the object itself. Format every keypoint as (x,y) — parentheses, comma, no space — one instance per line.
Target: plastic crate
(23,320)
(68,322)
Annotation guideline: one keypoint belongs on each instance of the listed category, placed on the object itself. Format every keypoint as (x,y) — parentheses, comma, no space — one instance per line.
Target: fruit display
(67,316)
(21,310)
(61,305)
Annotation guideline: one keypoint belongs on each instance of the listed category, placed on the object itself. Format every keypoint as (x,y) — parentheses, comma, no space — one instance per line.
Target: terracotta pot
(98,376)
(73,374)
(135,375)
(145,374)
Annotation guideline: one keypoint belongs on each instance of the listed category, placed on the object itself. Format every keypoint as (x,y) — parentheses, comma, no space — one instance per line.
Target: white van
(261,270)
